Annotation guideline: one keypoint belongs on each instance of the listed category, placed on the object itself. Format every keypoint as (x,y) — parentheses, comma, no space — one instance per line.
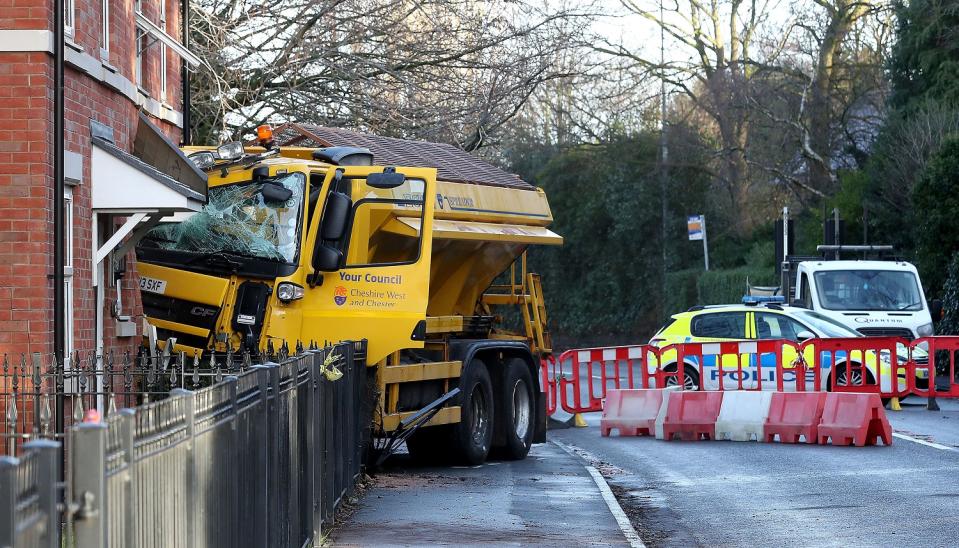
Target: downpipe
(59,232)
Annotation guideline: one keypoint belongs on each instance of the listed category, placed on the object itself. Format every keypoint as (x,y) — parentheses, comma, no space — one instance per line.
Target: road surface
(746,494)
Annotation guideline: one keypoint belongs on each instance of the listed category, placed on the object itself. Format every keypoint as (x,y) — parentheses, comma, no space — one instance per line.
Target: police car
(760,319)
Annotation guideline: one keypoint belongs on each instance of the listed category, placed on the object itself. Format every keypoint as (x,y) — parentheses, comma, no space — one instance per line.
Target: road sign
(696,227)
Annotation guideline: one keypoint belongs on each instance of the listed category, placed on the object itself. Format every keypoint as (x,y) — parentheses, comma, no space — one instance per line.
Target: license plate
(152,285)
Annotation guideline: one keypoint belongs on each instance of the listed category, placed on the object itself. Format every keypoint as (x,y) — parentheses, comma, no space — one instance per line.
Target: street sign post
(696,227)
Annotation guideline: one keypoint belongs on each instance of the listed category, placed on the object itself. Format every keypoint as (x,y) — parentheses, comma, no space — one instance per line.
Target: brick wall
(26,298)
(26,183)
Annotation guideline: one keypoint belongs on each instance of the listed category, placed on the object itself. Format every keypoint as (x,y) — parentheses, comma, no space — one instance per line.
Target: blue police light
(757,299)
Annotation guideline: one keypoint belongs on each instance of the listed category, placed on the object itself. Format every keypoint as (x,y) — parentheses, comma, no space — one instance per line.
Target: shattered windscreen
(241,219)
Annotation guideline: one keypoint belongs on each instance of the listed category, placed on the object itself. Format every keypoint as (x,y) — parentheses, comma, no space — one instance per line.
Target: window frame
(105,29)
(162,23)
(780,318)
(69,17)
(140,42)
(699,317)
(68,271)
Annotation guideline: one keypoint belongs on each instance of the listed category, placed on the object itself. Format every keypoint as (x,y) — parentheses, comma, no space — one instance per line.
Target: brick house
(123,113)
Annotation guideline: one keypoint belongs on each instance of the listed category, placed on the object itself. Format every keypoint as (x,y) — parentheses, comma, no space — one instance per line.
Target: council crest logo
(339,295)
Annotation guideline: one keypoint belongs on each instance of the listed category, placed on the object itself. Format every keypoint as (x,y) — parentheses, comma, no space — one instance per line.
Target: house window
(163,52)
(68,270)
(141,44)
(105,34)
(69,7)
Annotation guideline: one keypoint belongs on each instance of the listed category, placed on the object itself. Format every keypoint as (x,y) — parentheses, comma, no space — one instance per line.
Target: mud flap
(539,434)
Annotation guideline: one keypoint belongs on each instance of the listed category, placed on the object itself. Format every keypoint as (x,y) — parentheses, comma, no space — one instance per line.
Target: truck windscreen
(868,290)
(243,219)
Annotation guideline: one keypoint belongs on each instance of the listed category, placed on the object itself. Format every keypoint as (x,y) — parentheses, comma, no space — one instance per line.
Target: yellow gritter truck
(301,244)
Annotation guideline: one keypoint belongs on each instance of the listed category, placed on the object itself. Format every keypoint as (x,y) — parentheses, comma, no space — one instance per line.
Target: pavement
(549,499)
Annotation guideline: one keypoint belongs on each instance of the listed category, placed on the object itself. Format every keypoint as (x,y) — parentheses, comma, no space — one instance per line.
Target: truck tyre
(517,410)
(473,435)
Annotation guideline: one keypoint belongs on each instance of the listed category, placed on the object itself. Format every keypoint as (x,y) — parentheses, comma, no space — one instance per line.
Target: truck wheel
(516,411)
(473,435)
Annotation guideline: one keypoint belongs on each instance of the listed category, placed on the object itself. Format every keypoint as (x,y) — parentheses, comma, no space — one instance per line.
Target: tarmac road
(548,499)
(752,494)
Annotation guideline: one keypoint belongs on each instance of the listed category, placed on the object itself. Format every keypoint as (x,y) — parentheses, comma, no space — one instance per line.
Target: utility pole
(663,149)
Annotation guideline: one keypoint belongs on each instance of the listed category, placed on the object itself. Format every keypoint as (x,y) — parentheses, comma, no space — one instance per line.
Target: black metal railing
(260,456)
(31,386)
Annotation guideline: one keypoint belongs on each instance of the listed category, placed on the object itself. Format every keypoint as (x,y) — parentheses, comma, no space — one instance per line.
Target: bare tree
(445,70)
(716,49)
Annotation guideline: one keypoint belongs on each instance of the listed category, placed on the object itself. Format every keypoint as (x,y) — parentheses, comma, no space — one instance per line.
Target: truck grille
(886,332)
(180,311)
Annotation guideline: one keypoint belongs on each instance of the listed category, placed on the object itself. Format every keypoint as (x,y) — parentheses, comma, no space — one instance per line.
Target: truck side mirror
(935,310)
(336,214)
(327,258)
(327,255)
(385,180)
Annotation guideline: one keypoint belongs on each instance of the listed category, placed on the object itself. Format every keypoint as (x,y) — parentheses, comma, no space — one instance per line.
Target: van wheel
(473,435)
(515,410)
(690,377)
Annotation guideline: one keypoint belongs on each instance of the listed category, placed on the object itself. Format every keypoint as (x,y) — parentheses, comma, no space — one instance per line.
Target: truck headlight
(288,291)
(925,330)
(230,151)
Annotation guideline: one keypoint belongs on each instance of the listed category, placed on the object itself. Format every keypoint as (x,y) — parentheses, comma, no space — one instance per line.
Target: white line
(625,526)
(923,442)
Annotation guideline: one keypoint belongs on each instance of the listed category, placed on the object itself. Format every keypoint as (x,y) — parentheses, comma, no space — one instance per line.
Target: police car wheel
(690,377)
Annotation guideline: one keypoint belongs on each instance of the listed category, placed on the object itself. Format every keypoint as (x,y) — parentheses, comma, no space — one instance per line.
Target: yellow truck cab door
(370,260)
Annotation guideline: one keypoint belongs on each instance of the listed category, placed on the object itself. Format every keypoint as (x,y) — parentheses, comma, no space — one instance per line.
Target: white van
(876,298)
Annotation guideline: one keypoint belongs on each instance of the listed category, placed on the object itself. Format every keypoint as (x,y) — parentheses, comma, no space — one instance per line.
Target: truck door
(381,288)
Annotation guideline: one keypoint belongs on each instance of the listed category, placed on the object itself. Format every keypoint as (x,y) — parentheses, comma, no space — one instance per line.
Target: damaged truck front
(303,245)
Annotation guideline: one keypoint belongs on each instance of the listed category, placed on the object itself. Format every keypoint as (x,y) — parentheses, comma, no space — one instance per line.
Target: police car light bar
(753,299)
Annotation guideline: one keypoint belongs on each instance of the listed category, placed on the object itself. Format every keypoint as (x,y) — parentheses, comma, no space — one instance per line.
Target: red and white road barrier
(814,417)
(579,380)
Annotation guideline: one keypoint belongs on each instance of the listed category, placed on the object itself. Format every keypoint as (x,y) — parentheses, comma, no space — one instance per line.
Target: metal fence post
(316,447)
(127,427)
(88,455)
(48,469)
(261,487)
(190,463)
(8,500)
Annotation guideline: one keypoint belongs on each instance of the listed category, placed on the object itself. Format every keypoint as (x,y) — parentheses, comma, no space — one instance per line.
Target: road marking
(934,445)
(624,525)
(632,537)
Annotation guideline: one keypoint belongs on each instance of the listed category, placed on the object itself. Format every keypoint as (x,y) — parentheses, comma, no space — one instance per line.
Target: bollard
(894,404)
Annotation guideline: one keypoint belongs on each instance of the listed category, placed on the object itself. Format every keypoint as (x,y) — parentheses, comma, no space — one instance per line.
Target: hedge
(686,288)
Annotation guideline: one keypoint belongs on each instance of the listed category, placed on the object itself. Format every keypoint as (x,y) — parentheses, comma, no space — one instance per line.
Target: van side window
(721,325)
(804,294)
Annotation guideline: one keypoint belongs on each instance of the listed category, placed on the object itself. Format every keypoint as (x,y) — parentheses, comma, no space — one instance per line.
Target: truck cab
(876,298)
